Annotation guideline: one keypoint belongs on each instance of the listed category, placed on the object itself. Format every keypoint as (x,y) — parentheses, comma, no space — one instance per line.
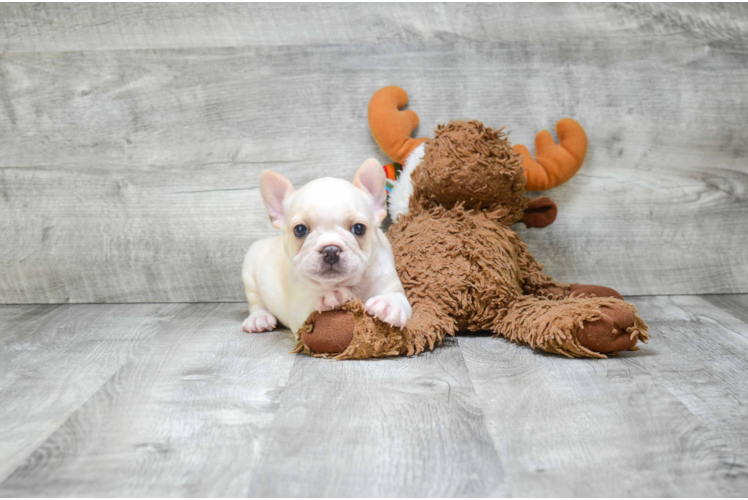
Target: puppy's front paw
(392,308)
(333,299)
(259,321)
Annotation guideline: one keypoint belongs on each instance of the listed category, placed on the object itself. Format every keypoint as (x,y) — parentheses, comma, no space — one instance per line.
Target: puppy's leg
(392,308)
(333,299)
(260,319)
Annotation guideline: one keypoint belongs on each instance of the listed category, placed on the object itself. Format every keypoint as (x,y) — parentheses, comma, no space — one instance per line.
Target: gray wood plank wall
(132,136)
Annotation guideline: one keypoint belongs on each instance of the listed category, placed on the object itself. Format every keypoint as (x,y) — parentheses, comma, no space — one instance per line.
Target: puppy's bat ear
(275,190)
(370,178)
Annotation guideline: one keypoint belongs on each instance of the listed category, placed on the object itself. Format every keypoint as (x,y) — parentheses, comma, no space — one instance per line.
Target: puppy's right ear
(275,190)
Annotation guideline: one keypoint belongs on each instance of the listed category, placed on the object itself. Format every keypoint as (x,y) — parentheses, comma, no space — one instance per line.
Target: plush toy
(462,266)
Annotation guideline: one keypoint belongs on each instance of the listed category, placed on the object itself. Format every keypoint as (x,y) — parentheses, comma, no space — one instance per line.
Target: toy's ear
(275,190)
(541,212)
(370,177)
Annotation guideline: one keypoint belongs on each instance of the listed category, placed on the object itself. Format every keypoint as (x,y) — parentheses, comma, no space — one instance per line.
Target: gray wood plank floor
(173,399)
(133,135)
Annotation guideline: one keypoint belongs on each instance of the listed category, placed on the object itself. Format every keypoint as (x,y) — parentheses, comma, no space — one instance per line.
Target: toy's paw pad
(391,308)
(608,334)
(332,332)
(259,321)
(333,299)
(594,291)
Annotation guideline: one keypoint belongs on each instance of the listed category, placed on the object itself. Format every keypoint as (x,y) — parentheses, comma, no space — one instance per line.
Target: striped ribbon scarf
(392,172)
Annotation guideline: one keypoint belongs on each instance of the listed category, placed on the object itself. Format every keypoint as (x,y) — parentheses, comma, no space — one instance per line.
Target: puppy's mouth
(331,270)
(332,273)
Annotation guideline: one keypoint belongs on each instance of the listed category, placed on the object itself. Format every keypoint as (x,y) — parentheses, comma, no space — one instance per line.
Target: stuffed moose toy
(462,266)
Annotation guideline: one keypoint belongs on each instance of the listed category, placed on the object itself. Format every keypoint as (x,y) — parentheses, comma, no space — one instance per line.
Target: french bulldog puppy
(330,250)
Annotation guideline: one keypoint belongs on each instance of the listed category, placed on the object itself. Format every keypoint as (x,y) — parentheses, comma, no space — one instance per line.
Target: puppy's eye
(300,231)
(358,229)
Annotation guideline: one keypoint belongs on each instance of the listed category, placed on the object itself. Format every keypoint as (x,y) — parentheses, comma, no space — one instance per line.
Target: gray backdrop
(132,136)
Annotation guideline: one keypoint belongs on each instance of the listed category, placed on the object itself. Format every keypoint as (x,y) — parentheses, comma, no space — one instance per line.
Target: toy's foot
(608,334)
(333,299)
(350,333)
(332,333)
(259,321)
(594,291)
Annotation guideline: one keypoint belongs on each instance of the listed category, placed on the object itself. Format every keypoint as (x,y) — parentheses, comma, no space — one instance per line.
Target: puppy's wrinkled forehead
(329,200)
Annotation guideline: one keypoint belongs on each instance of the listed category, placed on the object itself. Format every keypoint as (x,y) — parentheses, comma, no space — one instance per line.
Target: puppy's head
(329,225)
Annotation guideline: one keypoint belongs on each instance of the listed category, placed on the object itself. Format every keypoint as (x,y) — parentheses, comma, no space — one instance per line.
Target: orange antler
(391,127)
(554,163)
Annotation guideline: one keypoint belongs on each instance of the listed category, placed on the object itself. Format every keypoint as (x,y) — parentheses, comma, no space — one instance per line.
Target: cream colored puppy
(331,250)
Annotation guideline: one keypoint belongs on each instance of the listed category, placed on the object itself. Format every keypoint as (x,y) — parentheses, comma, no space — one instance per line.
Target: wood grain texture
(667,420)
(184,418)
(380,428)
(133,135)
(50,27)
(174,400)
(54,358)
(703,360)
(735,304)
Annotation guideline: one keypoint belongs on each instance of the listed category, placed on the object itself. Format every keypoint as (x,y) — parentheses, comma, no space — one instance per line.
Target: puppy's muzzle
(331,254)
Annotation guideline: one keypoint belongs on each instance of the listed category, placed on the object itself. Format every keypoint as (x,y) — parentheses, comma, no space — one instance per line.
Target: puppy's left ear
(370,178)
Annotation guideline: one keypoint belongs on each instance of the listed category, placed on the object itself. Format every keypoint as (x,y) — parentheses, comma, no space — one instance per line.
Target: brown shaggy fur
(464,268)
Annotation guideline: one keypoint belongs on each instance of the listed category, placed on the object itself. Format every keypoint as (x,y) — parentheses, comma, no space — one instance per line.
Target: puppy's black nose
(331,254)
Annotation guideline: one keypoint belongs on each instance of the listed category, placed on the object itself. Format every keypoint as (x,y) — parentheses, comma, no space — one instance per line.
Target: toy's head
(470,164)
